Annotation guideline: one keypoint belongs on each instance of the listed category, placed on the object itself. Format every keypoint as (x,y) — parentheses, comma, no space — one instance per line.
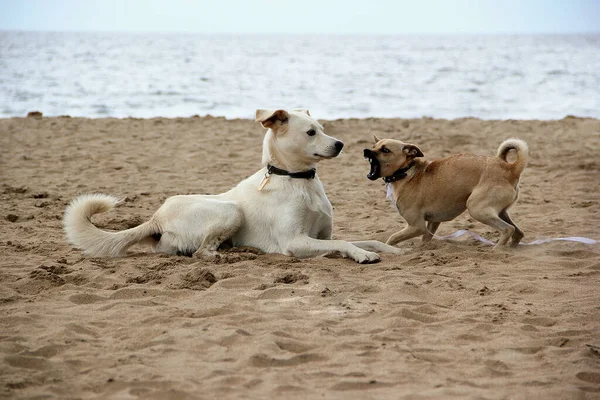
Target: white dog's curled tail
(82,234)
(522,154)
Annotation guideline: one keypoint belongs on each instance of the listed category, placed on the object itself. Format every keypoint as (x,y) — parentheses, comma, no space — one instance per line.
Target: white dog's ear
(302,110)
(412,151)
(376,138)
(268,118)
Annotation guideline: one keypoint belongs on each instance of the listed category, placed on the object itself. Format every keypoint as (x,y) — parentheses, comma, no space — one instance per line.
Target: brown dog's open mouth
(375,172)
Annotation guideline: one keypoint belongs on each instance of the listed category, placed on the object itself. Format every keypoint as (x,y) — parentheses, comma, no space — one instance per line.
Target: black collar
(399,174)
(310,174)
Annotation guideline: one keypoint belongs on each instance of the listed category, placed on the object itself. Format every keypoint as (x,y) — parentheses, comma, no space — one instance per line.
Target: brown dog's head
(388,156)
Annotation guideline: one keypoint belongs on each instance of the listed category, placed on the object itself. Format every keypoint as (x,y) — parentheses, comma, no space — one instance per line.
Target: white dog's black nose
(339,146)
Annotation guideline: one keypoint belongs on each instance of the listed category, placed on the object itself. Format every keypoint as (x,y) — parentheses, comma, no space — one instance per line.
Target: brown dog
(428,193)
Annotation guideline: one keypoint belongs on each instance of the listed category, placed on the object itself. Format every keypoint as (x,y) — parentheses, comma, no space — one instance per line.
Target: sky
(304,16)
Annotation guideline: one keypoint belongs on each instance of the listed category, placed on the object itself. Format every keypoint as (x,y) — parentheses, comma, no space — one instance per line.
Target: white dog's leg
(166,244)
(304,247)
(196,225)
(325,233)
(375,245)
(214,238)
(220,228)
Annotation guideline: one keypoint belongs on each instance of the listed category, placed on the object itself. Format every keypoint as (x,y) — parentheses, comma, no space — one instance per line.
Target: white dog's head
(295,141)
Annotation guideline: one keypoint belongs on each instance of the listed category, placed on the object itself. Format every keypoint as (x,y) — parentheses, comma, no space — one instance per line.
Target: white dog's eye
(312,132)
(385,150)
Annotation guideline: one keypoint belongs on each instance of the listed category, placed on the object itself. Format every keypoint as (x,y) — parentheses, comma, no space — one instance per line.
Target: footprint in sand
(540,321)
(527,350)
(264,361)
(588,376)
(46,351)
(289,388)
(196,279)
(291,277)
(467,337)
(27,362)
(497,368)
(85,298)
(293,346)
(574,254)
(80,330)
(417,316)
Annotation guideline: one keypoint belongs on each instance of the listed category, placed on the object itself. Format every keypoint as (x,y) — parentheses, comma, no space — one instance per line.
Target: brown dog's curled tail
(522,154)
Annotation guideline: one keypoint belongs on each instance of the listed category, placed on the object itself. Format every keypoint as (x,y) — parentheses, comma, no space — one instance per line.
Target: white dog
(282,208)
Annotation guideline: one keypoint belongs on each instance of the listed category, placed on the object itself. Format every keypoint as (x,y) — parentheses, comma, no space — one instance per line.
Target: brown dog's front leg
(409,232)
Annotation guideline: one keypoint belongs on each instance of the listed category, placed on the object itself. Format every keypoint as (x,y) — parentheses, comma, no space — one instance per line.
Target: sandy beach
(450,319)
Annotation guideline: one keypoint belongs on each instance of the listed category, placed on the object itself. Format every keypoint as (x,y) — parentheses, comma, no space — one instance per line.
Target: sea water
(179,75)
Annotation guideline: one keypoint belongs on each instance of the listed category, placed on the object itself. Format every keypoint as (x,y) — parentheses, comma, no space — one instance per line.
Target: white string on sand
(463,232)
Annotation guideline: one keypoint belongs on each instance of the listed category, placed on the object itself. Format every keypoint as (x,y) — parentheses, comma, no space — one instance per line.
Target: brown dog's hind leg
(431,228)
(409,232)
(486,203)
(490,217)
(518,234)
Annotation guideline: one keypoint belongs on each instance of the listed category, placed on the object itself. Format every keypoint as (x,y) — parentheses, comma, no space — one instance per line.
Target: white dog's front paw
(366,257)
(396,250)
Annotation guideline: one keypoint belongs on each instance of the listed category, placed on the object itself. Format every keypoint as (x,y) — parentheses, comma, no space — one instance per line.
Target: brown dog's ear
(302,110)
(412,151)
(376,138)
(268,118)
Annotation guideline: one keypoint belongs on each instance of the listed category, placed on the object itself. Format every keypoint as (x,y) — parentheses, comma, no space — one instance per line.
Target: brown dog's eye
(385,150)
(312,132)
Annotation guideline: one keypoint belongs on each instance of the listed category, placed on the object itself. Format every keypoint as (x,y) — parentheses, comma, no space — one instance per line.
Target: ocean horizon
(145,75)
